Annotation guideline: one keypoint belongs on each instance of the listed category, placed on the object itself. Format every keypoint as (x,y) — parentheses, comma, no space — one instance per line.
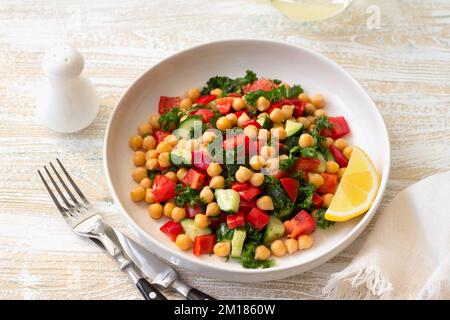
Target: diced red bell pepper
(224,105)
(159,135)
(338,156)
(167,103)
(252,122)
(340,127)
(214,222)
(204,100)
(317,200)
(329,185)
(200,160)
(235,220)
(239,113)
(192,212)
(246,205)
(299,108)
(172,229)
(204,244)
(258,218)
(240,186)
(260,84)
(234,95)
(279,174)
(163,188)
(194,179)
(306,164)
(302,223)
(291,186)
(246,190)
(206,114)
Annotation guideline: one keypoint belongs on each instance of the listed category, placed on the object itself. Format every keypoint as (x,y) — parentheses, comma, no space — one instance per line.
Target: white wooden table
(404,65)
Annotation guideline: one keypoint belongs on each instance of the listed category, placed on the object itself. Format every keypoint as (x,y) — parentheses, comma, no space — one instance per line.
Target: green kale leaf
(171,119)
(305,197)
(187,196)
(223,233)
(248,257)
(227,84)
(321,222)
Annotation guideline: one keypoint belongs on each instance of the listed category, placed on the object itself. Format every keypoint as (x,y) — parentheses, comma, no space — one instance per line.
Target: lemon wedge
(357,188)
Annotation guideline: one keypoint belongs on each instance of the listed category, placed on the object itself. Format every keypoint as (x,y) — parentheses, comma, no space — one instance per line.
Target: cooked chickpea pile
(192,192)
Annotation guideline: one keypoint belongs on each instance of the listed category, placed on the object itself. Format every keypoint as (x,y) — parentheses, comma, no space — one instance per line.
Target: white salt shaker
(66,102)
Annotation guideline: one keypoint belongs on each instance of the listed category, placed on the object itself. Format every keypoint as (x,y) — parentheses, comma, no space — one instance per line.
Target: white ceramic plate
(192,68)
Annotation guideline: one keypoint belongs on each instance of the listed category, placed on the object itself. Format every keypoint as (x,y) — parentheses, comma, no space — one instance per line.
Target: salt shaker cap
(63,63)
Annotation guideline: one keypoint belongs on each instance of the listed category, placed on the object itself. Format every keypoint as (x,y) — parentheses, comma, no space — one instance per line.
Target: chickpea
(332,167)
(283,157)
(303,97)
(291,245)
(288,110)
(232,118)
(145,183)
(193,94)
(268,152)
(148,143)
(209,136)
(327,198)
(311,127)
(222,249)
(164,160)
(265,203)
(181,173)
(263,134)
(312,120)
(145,129)
(212,209)
(178,214)
(262,115)
(257,162)
(152,164)
(137,194)
(201,220)
(318,101)
(278,248)
(315,179)
(327,142)
(214,169)
(183,241)
(340,173)
(139,158)
(309,108)
(347,152)
(279,132)
(149,197)
(320,113)
(217,182)
(251,131)
(262,252)
(154,121)
(341,144)
(242,119)
(305,241)
(155,210)
(273,164)
(168,208)
(135,142)
(171,175)
(207,195)
(217,92)
(238,104)
(185,103)
(171,139)
(277,116)
(306,140)
(243,174)
(151,154)
(139,173)
(304,121)
(262,104)
(164,146)
(257,179)
(223,124)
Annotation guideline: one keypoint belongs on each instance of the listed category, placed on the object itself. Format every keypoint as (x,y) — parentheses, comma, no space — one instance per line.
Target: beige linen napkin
(407,254)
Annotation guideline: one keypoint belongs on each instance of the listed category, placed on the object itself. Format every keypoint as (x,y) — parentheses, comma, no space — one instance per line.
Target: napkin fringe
(359,282)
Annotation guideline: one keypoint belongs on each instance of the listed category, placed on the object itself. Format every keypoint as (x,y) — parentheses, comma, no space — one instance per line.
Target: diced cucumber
(237,243)
(274,230)
(293,127)
(285,212)
(227,200)
(323,164)
(192,123)
(192,230)
(265,122)
(180,157)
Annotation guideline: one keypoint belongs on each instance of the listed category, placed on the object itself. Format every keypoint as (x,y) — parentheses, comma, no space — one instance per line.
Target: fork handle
(149,291)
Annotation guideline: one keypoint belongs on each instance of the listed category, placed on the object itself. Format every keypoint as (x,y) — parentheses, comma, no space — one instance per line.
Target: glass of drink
(310,10)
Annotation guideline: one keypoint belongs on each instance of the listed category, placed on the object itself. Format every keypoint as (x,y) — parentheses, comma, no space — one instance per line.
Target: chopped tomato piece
(317,200)
(194,179)
(159,135)
(330,183)
(250,193)
(291,187)
(201,160)
(167,103)
(260,84)
(234,95)
(246,205)
(235,220)
(302,223)
(338,156)
(306,164)
(340,127)
(204,244)
(299,108)
(251,122)
(172,229)
(279,174)
(258,218)
(239,113)
(240,186)
(224,105)
(206,114)
(192,212)
(204,100)
(163,188)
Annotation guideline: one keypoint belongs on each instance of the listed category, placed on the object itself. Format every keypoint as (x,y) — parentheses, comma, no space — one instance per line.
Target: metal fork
(86,221)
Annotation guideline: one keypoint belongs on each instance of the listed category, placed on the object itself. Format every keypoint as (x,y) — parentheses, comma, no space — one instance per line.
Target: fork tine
(85,200)
(70,206)
(61,209)
(65,185)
